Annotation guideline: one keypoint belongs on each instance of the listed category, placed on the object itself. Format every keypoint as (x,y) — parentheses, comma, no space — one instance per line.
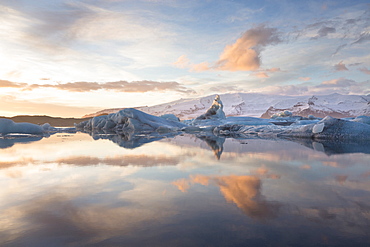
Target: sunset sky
(70,58)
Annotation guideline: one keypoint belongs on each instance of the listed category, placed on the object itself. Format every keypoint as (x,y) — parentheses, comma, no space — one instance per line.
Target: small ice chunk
(318,128)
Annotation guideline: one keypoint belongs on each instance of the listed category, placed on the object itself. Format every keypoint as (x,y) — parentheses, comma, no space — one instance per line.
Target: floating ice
(8,126)
(318,128)
(331,129)
(130,120)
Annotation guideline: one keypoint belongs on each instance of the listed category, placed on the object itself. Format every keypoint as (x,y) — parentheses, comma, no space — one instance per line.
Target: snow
(262,105)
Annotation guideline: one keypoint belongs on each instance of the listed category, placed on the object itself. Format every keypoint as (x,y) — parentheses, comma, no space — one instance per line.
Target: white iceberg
(130,120)
(8,126)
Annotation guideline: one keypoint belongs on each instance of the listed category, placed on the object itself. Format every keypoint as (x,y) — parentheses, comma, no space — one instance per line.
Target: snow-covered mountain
(261,105)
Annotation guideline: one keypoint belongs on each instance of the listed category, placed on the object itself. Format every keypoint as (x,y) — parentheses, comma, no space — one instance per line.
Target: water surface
(72,190)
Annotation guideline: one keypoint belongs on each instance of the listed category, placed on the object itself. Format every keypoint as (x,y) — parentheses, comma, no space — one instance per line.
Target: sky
(70,58)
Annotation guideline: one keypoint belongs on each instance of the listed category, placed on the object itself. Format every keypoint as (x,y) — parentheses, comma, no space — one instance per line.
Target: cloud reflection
(244,191)
(141,160)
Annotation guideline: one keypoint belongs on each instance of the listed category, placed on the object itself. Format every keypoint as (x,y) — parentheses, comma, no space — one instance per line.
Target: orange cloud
(244,54)
(261,74)
(264,73)
(5,83)
(182,62)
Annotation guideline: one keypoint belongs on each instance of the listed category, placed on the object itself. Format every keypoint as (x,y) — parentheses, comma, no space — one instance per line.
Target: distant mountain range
(261,105)
(53,121)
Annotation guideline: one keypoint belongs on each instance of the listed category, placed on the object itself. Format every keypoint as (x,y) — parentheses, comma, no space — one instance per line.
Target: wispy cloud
(339,85)
(365,70)
(119,86)
(324,31)
(304,78)
(264,73)
(364,37)
(5,83)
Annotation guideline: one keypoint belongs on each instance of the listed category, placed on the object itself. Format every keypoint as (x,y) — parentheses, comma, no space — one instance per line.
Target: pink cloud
(340,66)
(365,70)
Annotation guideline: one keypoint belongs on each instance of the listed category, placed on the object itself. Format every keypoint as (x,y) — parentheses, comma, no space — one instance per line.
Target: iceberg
(130,120)
(215,111)
(8,126)
(330,128)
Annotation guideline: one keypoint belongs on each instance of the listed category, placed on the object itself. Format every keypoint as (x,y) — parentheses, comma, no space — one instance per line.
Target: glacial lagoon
(75,189)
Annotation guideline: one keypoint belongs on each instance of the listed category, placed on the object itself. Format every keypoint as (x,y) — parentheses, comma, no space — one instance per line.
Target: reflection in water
(75,191)
(335,147)
(131,140)
(244,191)
(214,142)
(6,142)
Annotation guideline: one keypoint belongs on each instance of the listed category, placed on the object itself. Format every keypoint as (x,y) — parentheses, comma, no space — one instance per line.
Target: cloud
(226,89)
(5,83)
(265,73)
(365,70)
(340,66)
(339,85)
(119,86)
(338,49)
(341,82)
(304,78)
(260,74)
(244,54)
(324,31)
(244,191)
(364,37)
(182,62)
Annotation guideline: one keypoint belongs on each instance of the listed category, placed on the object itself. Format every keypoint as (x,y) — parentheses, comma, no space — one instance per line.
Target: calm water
(72,190)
